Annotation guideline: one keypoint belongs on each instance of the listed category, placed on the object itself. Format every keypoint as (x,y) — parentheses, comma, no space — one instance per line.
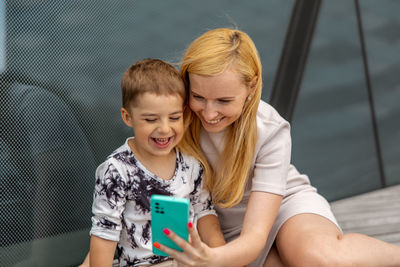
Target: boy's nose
(164,127)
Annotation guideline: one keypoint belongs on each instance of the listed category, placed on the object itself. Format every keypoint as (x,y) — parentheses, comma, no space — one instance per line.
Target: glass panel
(176,23)
(382,35)
(332,133)
(60,103)
(2,36)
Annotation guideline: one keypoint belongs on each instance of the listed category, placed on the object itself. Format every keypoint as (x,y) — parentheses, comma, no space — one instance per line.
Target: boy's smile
(157,122)
(162,142)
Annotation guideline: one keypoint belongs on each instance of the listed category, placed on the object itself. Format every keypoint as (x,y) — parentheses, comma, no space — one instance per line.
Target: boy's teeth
(162,140)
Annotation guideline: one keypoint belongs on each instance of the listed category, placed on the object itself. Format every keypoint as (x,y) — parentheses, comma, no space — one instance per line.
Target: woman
(269,213)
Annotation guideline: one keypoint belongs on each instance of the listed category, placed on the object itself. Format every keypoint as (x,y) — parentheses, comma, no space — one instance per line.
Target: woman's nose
(209,112)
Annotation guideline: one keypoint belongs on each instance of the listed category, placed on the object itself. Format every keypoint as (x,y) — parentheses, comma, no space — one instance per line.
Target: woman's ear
(253,84)
(252,88)
(126,117)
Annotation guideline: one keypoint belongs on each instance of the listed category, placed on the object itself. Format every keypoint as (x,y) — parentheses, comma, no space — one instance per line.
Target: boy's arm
(101,252)
(85,263)
(210,231)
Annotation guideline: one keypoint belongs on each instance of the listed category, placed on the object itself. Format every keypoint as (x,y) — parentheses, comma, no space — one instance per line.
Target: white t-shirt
(121,203)
(270,170)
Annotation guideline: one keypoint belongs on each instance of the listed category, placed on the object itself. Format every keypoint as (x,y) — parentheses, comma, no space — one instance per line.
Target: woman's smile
(217,100)
(213,121)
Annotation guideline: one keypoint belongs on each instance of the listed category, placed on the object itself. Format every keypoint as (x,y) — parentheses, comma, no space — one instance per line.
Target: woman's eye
(224,101)
(175,118)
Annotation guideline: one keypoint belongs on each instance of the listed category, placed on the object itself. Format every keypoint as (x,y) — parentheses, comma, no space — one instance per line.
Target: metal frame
(370,94)
(293,61)
(294,56)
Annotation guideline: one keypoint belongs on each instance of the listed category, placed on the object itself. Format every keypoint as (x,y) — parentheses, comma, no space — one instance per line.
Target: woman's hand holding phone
(173,235)
(168,214)
(196,252)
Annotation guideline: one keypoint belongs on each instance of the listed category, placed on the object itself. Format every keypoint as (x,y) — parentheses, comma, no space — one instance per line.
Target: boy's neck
(162,166)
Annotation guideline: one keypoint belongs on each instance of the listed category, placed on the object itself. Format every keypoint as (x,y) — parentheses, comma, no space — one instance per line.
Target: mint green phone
(172,213)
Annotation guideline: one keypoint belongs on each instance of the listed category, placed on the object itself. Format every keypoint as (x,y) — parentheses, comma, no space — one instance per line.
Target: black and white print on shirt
(121,204)
(135,261)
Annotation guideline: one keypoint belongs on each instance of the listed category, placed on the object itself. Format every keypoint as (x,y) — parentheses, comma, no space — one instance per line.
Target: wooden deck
(376,214)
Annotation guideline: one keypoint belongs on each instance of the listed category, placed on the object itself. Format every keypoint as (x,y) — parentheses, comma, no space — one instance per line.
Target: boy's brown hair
(150,76)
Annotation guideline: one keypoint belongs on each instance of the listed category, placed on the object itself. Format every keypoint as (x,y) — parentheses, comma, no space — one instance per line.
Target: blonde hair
(211,54)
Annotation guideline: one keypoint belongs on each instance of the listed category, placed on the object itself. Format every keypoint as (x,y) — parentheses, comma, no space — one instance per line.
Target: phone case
(172,213)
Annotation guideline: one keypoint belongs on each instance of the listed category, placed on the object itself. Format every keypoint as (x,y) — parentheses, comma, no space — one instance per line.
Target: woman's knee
(317,252)
(309,256)
(309,240)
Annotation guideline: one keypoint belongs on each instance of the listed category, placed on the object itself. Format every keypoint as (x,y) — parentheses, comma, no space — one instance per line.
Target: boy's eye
(150,120)
(197,97)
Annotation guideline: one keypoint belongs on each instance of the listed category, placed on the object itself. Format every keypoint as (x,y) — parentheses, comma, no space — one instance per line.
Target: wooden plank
(376,214)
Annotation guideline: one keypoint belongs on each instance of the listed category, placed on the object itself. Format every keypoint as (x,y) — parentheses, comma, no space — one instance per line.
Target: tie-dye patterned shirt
(121,203)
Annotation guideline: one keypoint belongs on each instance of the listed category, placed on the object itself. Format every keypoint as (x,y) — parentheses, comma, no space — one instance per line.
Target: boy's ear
(126,117)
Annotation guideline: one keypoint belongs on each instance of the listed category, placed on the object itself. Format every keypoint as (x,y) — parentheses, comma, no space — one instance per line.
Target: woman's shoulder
(270,124)
(267,115)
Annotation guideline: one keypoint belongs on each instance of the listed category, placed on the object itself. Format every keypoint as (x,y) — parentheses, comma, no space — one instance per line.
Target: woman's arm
(260,215)
(101,252)
(210,231)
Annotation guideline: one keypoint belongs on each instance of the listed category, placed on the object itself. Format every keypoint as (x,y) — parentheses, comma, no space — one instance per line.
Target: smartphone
(172,213)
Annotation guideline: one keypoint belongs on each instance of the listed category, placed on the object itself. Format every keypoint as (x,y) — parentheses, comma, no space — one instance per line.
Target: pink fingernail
(166,231)
(190,224)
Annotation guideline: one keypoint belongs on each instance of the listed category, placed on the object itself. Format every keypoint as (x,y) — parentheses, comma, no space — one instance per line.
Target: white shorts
(303,201)
(299,203)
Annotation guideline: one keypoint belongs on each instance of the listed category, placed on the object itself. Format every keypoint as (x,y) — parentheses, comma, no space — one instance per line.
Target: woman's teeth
(213,121)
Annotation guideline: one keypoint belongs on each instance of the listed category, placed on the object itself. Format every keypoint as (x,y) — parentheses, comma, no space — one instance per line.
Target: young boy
(153,97)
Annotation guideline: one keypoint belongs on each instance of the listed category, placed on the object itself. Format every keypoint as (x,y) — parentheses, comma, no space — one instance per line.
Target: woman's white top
(270,170)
